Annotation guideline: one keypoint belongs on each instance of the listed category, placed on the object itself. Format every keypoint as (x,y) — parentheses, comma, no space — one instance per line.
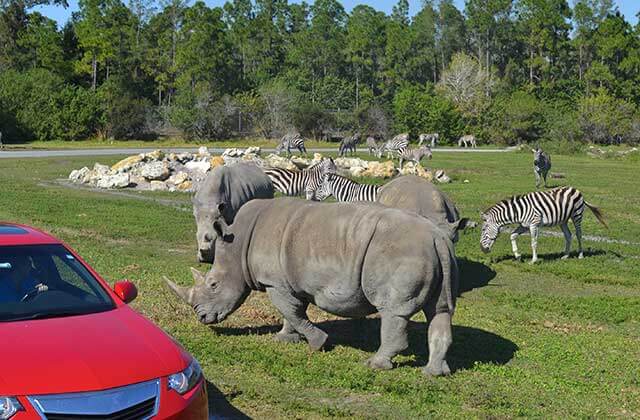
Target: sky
(628,7)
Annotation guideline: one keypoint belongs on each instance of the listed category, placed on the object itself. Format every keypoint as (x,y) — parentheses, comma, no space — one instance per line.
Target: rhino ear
(221,231)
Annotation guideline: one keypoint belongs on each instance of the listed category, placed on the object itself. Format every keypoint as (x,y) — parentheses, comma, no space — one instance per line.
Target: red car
(73,349)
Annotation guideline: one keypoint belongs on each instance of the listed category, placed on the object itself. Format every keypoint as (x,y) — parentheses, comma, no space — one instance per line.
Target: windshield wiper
(44,315)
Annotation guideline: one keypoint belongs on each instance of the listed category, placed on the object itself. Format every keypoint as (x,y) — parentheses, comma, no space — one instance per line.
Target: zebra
(307,181)
(432,138)
(400,141)
(344,189)
(469,138)
(291,141)
(349,143)
(534,210)
(414,155)
(541,165)
(372,145)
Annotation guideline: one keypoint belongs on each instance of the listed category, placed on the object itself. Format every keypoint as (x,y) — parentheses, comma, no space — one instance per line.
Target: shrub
(607,120)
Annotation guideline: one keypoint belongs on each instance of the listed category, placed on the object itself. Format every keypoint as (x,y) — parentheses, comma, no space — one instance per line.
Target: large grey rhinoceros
(348,259)
(415,194)
(233,186)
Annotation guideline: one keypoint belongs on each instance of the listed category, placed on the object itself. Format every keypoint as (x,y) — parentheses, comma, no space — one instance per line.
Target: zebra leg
(578,225)
(545,179)
(393,340)
(303,149)
(294,311)
(514,236)
(400,161)
(533,229)
(288,334)
(567,240)
(439,339)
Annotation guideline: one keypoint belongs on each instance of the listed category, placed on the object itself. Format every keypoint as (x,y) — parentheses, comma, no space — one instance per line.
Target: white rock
(466,181)
(158,186)
(158,171)
(203,151)
(178,178)
(356,170)
(253,150)
(101,169)
(120,180)
(79,175)
(232,152)
(275,161)
(200,166)
(346,163)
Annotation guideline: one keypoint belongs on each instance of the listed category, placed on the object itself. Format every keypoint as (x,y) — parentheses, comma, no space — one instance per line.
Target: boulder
(127,163)
(411,168)
(178,178)
(380,169)
(253,150)
(217,161)
(346,163)
(356,170)
(301,163)
(119,180)
(185,186)
(233,152)
(153,156)
(155,171)
(275,161)
(203,151)
(201,166)
(158,186)
(101,169)
(80,175)
(184,157)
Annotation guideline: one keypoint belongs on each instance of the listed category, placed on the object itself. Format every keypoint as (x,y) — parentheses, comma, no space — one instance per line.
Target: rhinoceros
(348,259)
(232,185)
(415,194)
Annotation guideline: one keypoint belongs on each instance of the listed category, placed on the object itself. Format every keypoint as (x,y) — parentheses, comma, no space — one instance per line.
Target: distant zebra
(372,145)
(534,210)
(307,181)
(541,165)
(432,138)
(349,143)
(344,189)
(414,155)
(469,138)
(291,141)
(401,141)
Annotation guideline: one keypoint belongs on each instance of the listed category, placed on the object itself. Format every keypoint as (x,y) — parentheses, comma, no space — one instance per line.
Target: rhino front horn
(184,293)
(198,277)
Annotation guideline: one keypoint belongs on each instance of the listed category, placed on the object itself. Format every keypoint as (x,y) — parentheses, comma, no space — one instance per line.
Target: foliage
(608,120)
(515,119)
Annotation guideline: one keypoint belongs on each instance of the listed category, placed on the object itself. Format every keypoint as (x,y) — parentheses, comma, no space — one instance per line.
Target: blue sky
(628,7)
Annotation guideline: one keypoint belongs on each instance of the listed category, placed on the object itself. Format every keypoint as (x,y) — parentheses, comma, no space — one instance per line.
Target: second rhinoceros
(348,259)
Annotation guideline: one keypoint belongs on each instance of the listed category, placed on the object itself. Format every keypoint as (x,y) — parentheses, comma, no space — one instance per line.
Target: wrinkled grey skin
(348,259)
(232,186)
(417,195)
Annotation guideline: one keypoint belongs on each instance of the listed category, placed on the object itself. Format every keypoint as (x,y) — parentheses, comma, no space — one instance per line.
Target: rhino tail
(447,257)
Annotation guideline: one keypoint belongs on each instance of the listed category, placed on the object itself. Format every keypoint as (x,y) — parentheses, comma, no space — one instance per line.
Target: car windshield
(46,281)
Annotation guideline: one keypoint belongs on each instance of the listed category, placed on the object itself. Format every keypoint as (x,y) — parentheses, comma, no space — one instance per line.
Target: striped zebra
(541,165)
(467,139)
(414,155)
(372,145)
(401,141)
(349,143)
(432,139)
(307,181)
(533,211)
(291,141)
(344,189)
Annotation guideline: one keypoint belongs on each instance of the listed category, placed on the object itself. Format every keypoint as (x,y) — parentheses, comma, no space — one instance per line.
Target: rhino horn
(184,293)
(198,277)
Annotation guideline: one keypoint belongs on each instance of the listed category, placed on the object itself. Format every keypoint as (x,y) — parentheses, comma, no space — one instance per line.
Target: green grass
(558,339)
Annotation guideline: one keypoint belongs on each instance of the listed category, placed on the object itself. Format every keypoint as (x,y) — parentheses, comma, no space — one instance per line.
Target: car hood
(85,353)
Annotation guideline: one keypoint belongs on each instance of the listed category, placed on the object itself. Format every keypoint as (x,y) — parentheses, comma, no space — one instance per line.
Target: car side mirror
(126,290)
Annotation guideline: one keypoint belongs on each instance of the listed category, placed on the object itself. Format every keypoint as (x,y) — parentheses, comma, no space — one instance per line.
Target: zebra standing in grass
(414,155)
(291,141)
(344,189)
(372,145)
(541,165)
(401,141)
(432,138)
(307,181)
(467,139)
(534,210)
(349,143)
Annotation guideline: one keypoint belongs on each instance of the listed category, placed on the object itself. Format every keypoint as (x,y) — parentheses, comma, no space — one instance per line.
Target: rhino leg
(393,340)
(295,313)
(440,338)
(288,334)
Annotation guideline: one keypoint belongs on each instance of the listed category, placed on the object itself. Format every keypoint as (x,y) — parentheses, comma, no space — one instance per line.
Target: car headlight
(184,381)
(9,406)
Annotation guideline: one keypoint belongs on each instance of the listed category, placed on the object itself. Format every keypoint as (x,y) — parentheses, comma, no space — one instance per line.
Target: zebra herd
(530,212)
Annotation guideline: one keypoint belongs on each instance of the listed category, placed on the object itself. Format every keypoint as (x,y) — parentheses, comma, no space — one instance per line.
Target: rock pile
(160,171)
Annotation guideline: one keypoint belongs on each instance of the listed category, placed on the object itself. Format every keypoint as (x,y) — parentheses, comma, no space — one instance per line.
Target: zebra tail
(449,266)
(596,212)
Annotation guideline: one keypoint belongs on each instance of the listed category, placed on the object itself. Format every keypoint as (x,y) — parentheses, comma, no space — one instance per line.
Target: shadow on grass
(473,275)
(558,255)
(470,345)
(219,407)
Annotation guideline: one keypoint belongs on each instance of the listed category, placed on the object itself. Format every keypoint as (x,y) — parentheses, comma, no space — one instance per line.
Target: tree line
(508,71)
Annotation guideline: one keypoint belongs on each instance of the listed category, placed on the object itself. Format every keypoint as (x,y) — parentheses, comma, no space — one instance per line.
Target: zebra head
(490,231)
(538,155)
(317,172)
(325,189)
(426,151)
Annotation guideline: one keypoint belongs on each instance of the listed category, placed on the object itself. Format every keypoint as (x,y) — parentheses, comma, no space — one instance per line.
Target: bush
(515,119)
(312,120)
(123,115)
(607,120)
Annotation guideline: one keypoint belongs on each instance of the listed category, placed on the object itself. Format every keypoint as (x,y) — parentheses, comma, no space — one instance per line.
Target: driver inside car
(16,279)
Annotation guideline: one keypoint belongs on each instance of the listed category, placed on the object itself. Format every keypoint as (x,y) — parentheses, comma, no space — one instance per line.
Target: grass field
(557,339)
